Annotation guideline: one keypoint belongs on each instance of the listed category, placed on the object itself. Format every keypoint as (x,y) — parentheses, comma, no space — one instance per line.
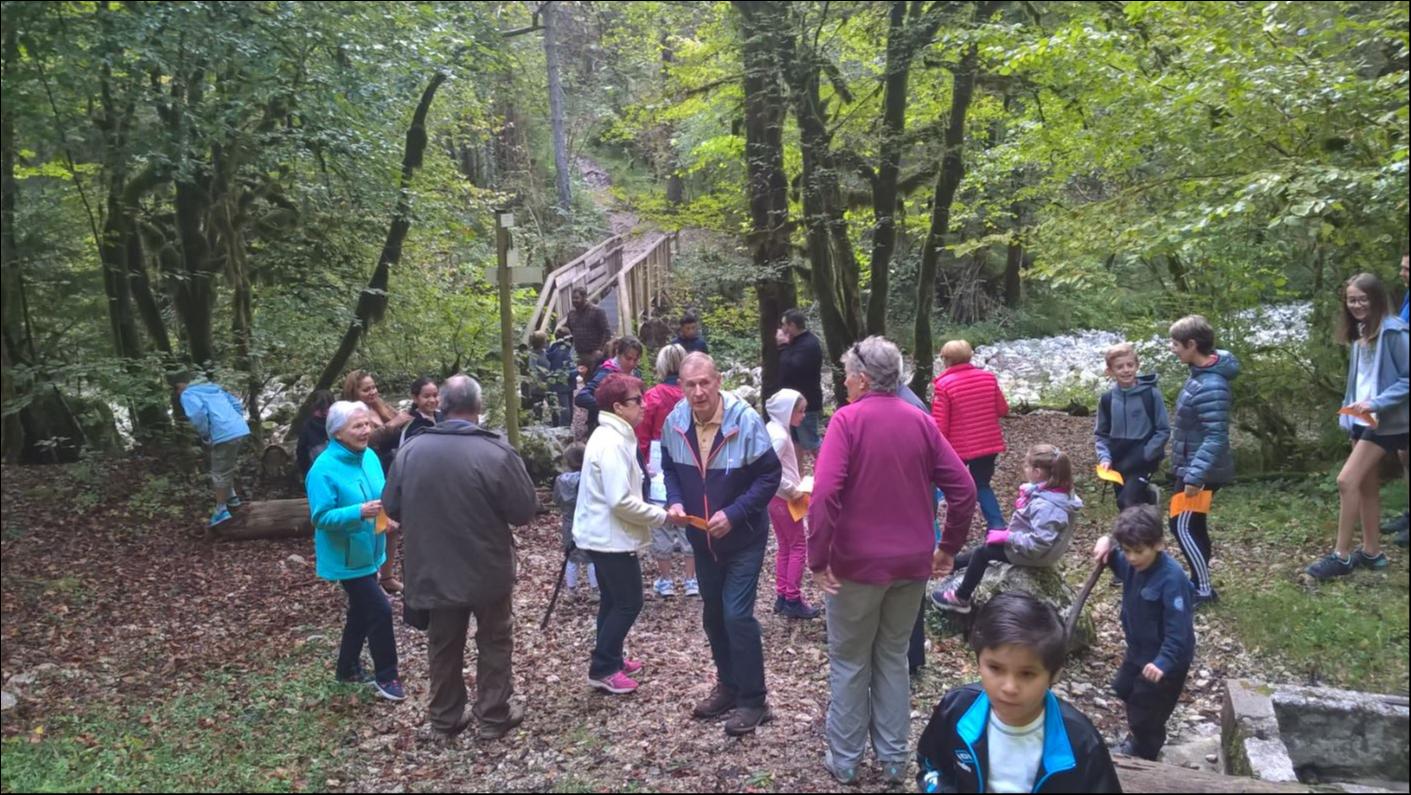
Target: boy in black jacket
(1156,618)
(1010,733)
(1132,427)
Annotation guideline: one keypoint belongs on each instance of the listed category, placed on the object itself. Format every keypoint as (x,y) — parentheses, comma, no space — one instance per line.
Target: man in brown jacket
(456,489)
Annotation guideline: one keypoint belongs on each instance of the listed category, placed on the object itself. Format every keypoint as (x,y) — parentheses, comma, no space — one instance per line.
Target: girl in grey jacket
(1039,531)
(1375,415)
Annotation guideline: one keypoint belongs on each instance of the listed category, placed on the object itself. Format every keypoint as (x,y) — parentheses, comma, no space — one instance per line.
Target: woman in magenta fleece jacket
(967,404)
(872,546)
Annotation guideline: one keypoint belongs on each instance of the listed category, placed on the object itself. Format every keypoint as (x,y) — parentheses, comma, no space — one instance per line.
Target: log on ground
(268,519)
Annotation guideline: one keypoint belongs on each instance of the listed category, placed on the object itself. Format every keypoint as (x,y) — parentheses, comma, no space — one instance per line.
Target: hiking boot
(847,776)
(392,691)
(467,717)
(220,515)
(796,608)
(721,701)
(746,719)
(494,731)
(632,667)
(665,589)
(692,587)
(1330,566)
(617,684)
(779,603)
(1376,562)
(947,600)
(1397,524)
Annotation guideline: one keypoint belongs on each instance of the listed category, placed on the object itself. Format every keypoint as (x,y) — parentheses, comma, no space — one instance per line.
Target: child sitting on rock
(1038,532)
(566,498)
(1010,733)
(1156,618)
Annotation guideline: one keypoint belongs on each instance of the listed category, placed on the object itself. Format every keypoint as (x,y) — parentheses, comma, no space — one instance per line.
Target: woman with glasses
(872,548)
(612,523)
(1375,416)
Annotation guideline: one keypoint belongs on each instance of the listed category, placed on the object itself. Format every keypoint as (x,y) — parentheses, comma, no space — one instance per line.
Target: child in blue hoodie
(1132,428)
(1156,618)
(219,419)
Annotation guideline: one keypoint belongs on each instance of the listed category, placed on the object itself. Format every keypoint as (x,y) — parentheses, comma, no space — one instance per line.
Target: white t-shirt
(1366,386)
(1015,754)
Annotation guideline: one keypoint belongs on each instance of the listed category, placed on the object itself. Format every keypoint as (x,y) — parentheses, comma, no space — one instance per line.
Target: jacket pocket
(362,549)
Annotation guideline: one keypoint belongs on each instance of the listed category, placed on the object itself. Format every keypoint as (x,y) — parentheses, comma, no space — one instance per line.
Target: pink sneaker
(631,667)
(616,684)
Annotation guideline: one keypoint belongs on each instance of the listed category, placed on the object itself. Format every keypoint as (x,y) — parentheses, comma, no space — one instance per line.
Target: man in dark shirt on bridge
(587,323)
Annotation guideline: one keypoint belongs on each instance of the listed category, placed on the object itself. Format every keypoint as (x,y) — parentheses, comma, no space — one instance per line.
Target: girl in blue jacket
(345,498)
(1377,422)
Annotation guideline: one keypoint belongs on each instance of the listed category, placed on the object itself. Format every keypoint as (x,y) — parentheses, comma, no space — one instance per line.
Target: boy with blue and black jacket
(219,419)
(1156,618)
(1010,733)
(1200,439)
(1132,427)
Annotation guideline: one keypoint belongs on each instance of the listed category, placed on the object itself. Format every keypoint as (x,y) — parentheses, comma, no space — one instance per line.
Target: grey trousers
(869,629)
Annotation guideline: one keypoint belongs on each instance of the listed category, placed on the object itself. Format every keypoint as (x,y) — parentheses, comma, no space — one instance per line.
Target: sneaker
(779,603)
(234,501)
(1205,598)
(665,589)
(692,587)
(494,731)
(391,585)
(1362,560)
(1397,524)
(392,691)
(220,515)
(847,776)
(1128,747)
(745,720)
(894,772)
(358,677)
(947,600)
(632,667)
(617,684)
(798,609)
(1330,566)
(720,701)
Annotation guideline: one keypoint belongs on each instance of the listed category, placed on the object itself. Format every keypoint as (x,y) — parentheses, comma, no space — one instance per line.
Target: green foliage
(276,731)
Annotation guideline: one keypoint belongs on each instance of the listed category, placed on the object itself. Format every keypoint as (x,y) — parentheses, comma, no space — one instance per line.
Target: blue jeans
(982,469)
(728,596)
(369,619)
(807,432)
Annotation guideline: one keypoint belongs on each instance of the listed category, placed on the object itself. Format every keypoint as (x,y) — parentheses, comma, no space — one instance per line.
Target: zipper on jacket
(705,485)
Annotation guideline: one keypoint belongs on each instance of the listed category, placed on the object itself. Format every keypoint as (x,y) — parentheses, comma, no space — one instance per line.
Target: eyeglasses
(634,399)
(1359,302)
(857,351)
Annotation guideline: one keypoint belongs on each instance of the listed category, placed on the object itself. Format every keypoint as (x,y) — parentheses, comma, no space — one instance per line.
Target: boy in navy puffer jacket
(1200,438)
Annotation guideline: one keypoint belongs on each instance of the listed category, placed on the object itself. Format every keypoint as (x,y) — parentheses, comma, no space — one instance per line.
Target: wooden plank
(1139,775)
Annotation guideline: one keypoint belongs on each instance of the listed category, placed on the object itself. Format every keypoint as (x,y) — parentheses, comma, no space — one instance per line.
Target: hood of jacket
(1145,382)
(1226,366)
(781,406)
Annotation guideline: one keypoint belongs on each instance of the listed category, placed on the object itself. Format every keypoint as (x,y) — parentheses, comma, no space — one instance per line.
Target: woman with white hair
(872,547)
(345,489)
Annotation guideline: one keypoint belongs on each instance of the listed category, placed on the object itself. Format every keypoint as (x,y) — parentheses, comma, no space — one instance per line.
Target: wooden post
(503,222)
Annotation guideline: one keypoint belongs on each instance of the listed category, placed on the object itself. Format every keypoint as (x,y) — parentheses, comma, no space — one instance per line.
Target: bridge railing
(639,283)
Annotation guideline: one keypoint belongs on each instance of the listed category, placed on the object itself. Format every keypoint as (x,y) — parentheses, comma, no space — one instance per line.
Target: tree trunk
(947,182)
(268,519)
(902,43)
(549,13)
(1013,263)
(763,29)
(372,302)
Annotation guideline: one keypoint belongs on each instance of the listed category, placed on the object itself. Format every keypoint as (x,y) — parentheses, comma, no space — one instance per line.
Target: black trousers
(620,584)
(1192,532)
(369,620)
(1149,705)
(979,560)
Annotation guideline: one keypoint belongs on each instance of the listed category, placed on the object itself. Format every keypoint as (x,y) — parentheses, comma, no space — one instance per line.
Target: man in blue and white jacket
(719,465)
(219,419)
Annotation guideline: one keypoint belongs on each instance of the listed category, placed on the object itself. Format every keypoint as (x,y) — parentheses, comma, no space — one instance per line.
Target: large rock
(542,448)
(1046,585)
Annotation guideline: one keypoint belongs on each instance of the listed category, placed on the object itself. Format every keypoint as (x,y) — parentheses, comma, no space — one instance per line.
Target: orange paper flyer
(1200,503)
(1110,475)
(1365,416)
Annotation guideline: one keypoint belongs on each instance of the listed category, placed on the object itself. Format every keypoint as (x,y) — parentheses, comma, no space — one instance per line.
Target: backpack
(1148,402)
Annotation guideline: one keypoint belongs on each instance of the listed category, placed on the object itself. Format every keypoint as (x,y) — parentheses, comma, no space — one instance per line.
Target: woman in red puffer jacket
(967,405)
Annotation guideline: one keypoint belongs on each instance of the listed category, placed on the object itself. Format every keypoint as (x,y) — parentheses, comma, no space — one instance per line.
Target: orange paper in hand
(1200,503)
(380,524)
(1109,474)
(1365,416)
(798,507)
(697,522)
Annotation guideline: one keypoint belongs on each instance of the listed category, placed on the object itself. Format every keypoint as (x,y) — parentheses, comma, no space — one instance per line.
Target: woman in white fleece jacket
(612,523)
(786,410)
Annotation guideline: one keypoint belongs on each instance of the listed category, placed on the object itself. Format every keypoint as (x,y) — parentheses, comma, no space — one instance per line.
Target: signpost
(506,276)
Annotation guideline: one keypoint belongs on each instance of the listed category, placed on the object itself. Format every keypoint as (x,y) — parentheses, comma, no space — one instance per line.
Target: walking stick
(1077,609)
(558,586)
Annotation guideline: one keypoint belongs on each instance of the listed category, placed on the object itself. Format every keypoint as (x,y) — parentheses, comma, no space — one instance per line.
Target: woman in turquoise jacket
(345,497)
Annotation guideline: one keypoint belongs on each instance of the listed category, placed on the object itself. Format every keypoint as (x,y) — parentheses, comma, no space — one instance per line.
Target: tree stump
(268,519)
